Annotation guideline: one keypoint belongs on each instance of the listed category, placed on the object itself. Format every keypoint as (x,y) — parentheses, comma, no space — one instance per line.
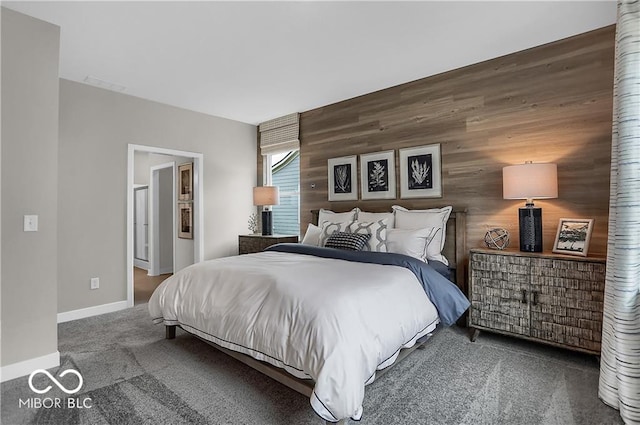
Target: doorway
(162,226)
(155,229)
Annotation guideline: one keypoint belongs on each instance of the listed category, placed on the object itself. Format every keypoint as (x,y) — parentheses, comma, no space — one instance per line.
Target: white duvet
(334,321)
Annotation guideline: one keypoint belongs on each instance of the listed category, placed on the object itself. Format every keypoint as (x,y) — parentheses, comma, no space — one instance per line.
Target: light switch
(30,223)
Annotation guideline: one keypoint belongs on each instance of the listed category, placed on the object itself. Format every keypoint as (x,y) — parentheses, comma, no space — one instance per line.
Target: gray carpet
(134,376)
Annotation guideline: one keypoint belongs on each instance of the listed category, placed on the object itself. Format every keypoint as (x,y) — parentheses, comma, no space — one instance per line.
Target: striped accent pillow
(348,241)
(377,230)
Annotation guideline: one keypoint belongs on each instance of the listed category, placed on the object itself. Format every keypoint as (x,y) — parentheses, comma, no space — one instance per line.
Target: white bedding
(331,320)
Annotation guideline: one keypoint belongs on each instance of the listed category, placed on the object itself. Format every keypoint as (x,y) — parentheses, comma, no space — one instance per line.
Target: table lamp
(265,196)
(530,181)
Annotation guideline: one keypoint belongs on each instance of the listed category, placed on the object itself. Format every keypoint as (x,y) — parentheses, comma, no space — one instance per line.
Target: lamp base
(530,229)
(266,223)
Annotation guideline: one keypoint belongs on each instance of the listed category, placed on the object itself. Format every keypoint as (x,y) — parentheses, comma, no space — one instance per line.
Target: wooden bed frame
(455,251)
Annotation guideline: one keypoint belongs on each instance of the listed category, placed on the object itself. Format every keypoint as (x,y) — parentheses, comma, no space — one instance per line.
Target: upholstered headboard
(455,247)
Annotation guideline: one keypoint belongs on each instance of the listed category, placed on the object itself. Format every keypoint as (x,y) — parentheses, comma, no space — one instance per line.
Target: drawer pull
(534,298)
(524,296)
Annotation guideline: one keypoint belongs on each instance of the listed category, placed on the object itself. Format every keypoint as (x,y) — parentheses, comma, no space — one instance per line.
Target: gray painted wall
(30,52)
(96,127)
(64,157)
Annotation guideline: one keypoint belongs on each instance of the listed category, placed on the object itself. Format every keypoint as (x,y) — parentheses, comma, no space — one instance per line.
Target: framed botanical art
(185,181)
(573,236)
(378,175)
(185,225)
(342,177)
(420,172)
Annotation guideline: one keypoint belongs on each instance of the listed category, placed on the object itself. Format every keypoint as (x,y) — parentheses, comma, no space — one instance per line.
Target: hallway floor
(144,285)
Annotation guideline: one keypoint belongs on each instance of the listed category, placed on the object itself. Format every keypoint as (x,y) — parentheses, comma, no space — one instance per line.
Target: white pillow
(418,219)
(328,228)
(370,217)
(334,217)
(378,231)
(411,242)
(312,235)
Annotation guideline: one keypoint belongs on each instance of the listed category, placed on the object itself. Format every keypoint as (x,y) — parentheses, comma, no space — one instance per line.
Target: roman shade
(280,134)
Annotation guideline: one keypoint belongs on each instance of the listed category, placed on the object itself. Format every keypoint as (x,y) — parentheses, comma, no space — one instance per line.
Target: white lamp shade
(530,181)
(266,195)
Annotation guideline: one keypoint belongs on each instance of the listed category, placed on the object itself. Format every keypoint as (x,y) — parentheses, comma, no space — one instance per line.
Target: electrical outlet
(95,282)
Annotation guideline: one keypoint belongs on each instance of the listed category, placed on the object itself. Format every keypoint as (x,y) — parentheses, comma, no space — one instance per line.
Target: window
(283,170)
(279,146)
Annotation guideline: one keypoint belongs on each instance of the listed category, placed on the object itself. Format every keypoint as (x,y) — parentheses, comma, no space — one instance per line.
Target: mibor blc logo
(55,402)
(55,381)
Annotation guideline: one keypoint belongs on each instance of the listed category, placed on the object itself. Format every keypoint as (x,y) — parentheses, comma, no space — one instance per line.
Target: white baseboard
(24,368)
(68,316)
(141,264)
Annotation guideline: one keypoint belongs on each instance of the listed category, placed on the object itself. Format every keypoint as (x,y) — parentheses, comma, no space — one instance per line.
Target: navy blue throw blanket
(445,296)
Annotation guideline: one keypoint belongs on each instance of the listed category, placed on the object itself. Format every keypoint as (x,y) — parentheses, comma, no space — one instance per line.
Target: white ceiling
(253,61)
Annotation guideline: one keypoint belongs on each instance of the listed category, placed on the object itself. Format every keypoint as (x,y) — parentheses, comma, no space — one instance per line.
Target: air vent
(103,84)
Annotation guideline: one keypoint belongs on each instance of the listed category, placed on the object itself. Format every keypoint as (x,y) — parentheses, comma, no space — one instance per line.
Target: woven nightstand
(556,299)
(248,244)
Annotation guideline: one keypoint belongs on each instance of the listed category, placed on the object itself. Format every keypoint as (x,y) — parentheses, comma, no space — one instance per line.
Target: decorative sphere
(497,238)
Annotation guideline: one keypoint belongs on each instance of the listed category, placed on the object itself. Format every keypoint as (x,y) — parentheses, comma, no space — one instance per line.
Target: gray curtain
(620,358)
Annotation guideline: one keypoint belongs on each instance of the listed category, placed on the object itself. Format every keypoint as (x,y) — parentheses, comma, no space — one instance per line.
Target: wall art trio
(420,175)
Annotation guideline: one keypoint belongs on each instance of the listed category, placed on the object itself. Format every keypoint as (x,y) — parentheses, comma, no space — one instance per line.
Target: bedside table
(544,297)
(248,244)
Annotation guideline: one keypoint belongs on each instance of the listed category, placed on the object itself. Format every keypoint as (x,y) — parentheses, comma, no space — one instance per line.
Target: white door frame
(198,205)
(154,222)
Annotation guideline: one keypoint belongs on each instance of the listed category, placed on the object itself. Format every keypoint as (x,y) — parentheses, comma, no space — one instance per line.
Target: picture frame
(573,236)
(185,223)
(421,172)
(378,175)
(185,182)
(342,177)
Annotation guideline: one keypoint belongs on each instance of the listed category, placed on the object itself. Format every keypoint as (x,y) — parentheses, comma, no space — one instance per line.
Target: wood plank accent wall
(551,103)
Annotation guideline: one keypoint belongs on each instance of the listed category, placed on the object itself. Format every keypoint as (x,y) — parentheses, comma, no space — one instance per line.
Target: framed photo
(185,226)
(420,172)
(342,178)
(573,236)
(185,181)
(378,175)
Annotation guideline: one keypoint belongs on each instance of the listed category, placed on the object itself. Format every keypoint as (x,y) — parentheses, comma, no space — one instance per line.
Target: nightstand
(544,297)
(248,244)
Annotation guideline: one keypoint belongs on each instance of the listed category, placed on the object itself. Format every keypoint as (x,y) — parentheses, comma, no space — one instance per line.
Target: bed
(325,322)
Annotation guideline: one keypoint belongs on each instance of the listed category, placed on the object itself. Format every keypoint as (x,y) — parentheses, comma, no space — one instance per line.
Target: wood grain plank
(551,103)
